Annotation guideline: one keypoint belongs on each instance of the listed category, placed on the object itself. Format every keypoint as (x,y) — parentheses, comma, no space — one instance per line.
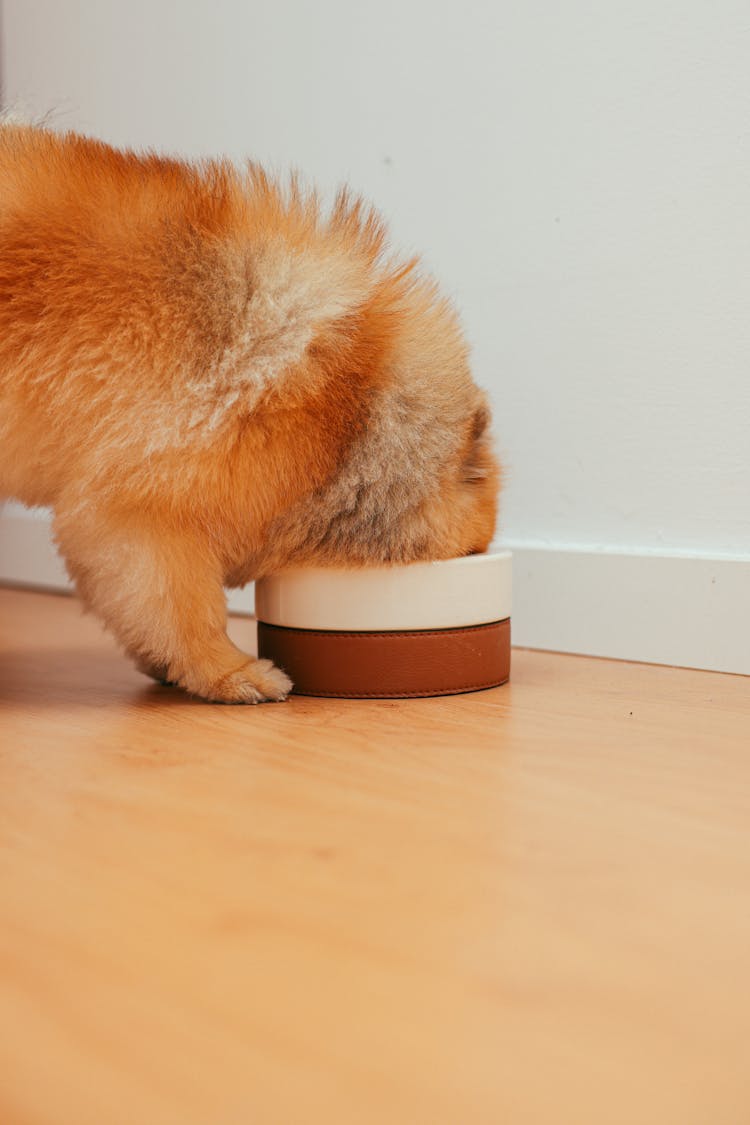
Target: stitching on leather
(386,632)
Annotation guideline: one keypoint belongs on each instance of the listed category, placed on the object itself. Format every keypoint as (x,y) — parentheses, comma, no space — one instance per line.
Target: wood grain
(530,904)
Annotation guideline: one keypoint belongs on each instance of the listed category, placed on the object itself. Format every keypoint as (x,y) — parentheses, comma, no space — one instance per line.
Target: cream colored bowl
(450,594)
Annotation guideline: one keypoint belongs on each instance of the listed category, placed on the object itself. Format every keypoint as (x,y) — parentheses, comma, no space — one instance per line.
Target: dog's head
(423,463)
(405,431)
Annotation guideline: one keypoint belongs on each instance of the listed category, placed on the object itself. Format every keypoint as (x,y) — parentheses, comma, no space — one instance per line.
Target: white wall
(577,174)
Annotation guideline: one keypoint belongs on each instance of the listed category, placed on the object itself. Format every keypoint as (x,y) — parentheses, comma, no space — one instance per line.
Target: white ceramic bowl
(450,594)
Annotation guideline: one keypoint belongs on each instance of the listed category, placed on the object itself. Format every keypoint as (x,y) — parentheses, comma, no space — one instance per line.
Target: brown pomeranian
(209,380)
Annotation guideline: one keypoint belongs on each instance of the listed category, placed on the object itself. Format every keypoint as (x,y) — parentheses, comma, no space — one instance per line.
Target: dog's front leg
(160,593)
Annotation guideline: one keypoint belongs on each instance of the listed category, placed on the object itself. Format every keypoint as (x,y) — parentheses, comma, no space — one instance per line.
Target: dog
(209,377)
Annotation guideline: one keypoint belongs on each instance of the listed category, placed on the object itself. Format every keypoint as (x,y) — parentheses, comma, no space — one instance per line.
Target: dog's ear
(475,466)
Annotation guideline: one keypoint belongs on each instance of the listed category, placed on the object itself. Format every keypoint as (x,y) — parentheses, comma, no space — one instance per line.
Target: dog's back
(144,301)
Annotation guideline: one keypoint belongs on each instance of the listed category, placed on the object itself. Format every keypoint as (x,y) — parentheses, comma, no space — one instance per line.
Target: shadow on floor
(80,676)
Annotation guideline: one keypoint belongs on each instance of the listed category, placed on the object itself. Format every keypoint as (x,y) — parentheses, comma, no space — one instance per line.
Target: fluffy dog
(208,379)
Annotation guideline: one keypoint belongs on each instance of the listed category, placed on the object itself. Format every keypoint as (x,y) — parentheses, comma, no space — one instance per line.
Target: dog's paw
(258,681)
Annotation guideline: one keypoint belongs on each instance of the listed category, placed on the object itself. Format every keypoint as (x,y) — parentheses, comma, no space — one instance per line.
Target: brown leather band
(390,665)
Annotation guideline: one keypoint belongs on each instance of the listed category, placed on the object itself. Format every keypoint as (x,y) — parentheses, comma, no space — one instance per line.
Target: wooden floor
(530,904)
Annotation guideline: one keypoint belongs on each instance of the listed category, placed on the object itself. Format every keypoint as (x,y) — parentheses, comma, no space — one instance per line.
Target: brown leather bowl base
(389,665)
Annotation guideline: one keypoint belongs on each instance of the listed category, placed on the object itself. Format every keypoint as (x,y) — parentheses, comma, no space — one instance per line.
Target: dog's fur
(209,380)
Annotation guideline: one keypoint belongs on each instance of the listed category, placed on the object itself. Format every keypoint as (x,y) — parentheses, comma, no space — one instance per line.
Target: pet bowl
(436,628)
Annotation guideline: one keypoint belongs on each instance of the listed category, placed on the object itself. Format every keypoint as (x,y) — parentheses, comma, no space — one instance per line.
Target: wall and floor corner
(578,179)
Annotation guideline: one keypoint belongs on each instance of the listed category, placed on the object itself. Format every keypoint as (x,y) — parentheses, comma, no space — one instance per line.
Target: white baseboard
(680,609)
(27,554)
